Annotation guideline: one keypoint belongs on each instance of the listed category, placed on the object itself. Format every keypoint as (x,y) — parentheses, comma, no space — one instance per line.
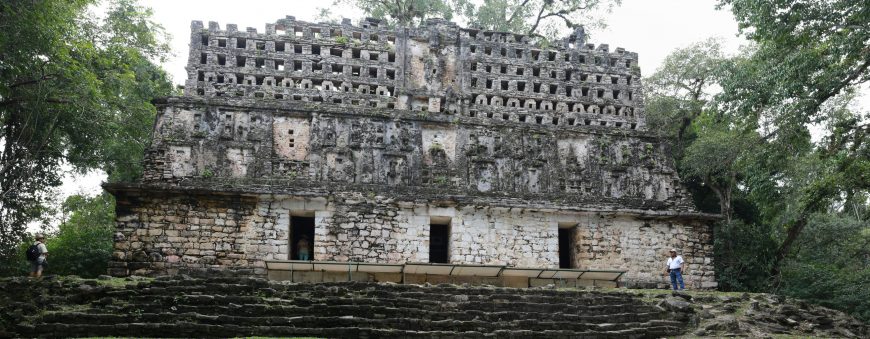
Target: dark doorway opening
(439,241)
(566,236)
(301,231)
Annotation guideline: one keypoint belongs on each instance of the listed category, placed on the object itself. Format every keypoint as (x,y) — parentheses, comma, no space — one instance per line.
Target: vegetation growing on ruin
(543,21)
(770,138)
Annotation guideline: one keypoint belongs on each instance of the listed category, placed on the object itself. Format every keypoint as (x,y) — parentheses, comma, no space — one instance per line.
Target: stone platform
(421,273)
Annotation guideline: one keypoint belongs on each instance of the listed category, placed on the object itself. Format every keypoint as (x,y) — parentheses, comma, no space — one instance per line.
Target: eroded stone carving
(377,132)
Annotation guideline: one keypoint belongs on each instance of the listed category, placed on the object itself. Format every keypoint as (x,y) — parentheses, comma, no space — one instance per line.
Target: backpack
(33,252)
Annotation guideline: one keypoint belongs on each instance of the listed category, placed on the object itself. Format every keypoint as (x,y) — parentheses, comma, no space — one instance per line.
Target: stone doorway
(439,243)
(301,227)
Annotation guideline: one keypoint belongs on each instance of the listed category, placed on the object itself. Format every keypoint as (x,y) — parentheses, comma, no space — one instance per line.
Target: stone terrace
(228,307)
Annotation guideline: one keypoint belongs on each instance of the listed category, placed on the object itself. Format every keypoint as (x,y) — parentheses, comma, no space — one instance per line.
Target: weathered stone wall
(328,147)
(171,233)
(641,247)
(437,67)
(436,105)
(156,234)
(377,133)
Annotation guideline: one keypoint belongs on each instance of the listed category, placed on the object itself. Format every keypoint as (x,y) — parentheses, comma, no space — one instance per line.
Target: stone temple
(435,144)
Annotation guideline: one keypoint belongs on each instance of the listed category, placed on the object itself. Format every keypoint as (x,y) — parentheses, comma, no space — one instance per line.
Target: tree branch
(821,98)
(33,81)
(537,21)
(517,11)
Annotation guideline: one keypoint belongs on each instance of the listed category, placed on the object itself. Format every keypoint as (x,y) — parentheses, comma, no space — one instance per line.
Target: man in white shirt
(675,268)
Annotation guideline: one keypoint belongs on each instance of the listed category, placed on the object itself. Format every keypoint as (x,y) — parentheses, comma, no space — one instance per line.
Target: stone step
(580,300)
(315,322)
(377,311)
(232,286)
(262,306)
(229,307)
(216,289)
(184,329)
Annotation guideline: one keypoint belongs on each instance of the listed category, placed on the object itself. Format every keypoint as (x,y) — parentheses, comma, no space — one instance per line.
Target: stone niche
(291,137)
(238,161)
(439,145)
(181,164)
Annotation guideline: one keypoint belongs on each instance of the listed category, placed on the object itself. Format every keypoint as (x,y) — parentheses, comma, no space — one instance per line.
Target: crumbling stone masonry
(379,133)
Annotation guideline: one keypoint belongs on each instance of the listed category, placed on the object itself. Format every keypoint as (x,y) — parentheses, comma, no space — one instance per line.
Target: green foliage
(81,246)
(808,52)
(75,89)
(409,13)
(83,243)
(16,265)
(442,180)
(715,156)
(681,90)
(543,20)
(742,255)
(741,127)
(831,264)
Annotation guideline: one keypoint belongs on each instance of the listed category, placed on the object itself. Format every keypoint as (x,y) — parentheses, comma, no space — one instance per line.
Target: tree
(681,89)
(809,53)
(74,89)
(543,19)
(540,19)
(831,264)
(83,242)
(714,158)
(408,13)
(751,143)
(704,143)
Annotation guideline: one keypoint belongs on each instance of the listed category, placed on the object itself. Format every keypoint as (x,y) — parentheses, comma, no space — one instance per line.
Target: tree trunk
(724,195)
(792,234)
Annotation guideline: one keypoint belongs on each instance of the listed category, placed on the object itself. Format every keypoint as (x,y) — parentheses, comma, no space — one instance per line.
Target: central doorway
(301,231)
(439,243)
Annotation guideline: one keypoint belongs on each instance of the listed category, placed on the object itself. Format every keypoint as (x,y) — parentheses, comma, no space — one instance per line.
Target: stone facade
(378,133)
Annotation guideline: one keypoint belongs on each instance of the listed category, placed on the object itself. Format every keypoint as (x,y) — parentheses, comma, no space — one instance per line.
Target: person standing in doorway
(36,254)
(675,268)
(303,248)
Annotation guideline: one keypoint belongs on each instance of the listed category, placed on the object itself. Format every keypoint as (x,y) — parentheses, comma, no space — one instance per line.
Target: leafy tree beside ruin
(742,126)
(75,91)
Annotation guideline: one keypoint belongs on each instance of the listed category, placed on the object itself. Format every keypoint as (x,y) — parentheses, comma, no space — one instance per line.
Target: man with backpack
(36,254)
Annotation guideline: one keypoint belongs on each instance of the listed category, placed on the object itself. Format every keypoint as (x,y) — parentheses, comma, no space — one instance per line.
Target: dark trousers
(677,276)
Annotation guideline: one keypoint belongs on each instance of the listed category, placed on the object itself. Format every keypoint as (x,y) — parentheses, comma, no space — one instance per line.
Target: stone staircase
(230,307)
